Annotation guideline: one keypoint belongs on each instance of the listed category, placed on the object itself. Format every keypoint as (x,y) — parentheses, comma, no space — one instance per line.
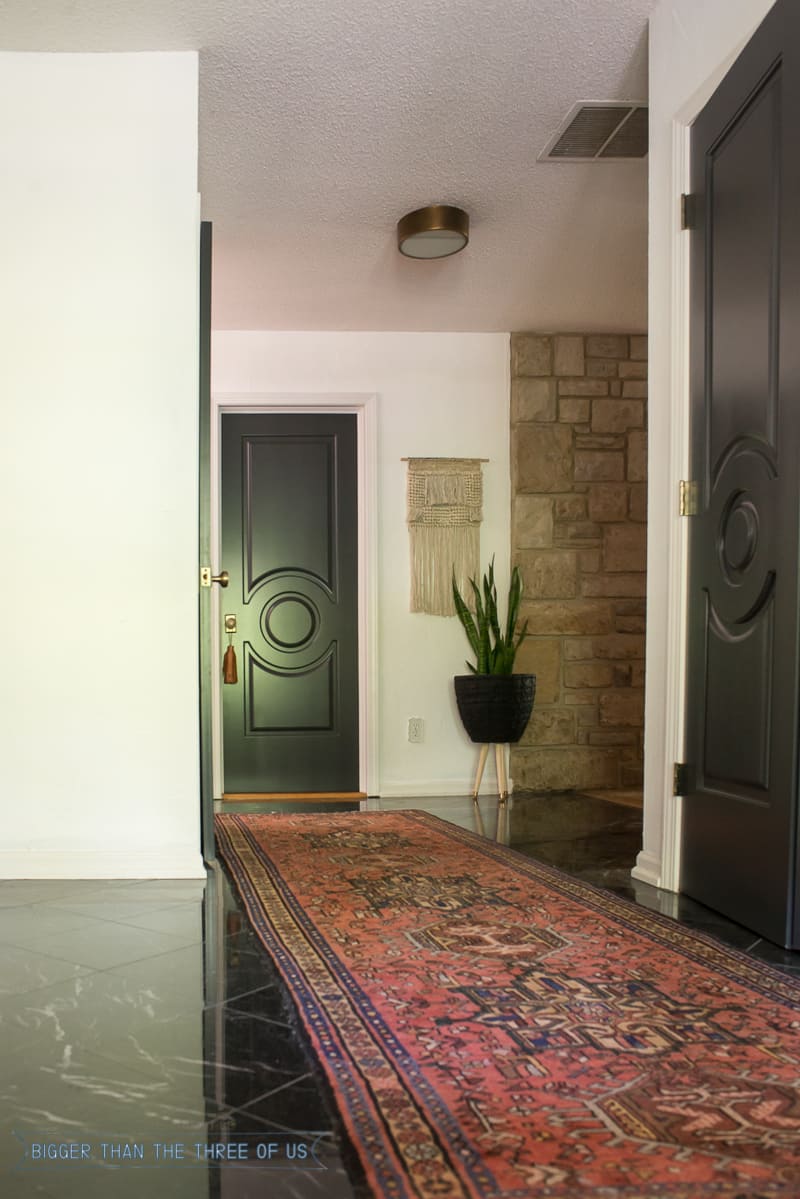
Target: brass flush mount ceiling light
(436,231)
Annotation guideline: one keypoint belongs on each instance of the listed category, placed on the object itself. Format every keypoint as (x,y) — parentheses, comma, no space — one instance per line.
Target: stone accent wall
(579,463)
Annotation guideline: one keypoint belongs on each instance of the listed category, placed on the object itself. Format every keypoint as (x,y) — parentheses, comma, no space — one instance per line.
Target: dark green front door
(740,815)
(290,544)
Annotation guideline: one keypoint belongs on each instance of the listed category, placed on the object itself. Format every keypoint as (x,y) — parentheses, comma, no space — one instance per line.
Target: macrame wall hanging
(445,496)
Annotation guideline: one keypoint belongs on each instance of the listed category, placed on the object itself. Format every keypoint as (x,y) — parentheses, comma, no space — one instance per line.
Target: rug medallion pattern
(492,1027)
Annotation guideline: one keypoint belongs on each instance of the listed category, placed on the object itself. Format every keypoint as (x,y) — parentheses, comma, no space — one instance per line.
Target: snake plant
(494,650)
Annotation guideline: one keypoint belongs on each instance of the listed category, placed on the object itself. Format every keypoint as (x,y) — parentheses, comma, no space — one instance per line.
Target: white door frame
(662,869)
(365,408)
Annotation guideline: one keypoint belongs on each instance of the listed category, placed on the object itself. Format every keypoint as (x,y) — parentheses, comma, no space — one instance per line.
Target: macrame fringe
(435,551)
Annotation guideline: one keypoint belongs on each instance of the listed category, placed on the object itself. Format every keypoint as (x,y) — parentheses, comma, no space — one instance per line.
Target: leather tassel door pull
(229,671)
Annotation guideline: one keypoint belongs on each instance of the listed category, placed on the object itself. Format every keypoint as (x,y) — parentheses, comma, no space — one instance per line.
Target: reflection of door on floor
(289,541)
(740,842)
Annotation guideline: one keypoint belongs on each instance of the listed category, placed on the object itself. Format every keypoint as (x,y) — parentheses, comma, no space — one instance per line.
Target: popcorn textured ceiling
(323,121)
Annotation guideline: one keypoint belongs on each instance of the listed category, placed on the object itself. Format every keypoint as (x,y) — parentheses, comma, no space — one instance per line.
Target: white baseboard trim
(61,864)
(439,787)
(647,868)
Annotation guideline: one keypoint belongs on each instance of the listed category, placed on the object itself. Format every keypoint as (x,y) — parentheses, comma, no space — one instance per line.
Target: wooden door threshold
(294,796)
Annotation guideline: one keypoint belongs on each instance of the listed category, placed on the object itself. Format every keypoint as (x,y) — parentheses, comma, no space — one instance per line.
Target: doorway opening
(362,409)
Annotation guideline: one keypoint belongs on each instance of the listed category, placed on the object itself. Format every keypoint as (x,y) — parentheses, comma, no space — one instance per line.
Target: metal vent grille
(596,130)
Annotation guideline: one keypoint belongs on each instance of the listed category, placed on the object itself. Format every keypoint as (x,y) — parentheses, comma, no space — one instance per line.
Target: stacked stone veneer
(579,461)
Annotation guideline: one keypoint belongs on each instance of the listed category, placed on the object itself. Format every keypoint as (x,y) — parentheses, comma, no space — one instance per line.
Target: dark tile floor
(136,1015)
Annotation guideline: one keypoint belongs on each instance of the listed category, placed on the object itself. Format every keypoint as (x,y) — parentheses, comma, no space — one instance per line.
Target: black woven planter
(495,707)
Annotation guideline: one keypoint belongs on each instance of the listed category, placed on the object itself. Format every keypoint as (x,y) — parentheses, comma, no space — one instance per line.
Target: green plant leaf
(490,597)
(483,630)
(465,616)
(514,598)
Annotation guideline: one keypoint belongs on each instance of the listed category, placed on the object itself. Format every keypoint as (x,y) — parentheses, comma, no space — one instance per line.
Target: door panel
(289,541)
(739,824)
(737,732)
(743,182)
(285,474)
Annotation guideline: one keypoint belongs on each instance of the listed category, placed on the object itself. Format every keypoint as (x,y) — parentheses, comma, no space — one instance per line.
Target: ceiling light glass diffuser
(436,231)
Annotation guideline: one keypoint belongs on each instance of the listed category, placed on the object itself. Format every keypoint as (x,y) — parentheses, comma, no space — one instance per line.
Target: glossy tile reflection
(149,1012)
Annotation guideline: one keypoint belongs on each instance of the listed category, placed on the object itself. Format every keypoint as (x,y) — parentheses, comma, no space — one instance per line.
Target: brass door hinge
(688,498)
(680,778)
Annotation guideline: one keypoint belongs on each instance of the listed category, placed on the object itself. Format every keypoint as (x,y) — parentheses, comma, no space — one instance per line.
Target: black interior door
(739,851)
(205,663)
(290,544)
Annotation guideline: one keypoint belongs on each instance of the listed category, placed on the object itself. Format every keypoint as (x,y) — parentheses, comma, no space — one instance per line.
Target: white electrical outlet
(416,730)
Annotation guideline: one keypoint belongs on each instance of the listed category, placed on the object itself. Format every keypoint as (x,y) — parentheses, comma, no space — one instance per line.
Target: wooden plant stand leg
(479,775)
(502,782)
(502,836)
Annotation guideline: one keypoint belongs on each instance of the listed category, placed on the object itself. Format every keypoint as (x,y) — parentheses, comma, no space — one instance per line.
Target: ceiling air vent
(595,130)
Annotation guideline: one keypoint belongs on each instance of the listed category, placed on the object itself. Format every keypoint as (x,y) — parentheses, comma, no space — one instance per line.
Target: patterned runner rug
(492,1027)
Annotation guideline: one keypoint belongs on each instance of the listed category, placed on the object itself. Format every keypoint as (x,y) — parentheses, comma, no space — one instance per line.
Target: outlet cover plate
(416,730)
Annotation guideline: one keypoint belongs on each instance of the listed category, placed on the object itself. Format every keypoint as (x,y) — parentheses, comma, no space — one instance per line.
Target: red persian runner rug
(492,1027)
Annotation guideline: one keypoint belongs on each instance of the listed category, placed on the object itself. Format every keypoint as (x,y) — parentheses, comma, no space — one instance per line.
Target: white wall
(439,394)
(692,44)
(98,465)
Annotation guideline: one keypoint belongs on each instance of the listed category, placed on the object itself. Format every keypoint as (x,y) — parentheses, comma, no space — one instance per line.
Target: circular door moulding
(738,534)
(290,621)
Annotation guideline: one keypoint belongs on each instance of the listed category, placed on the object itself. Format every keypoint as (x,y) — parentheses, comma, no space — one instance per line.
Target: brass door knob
(206,577)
